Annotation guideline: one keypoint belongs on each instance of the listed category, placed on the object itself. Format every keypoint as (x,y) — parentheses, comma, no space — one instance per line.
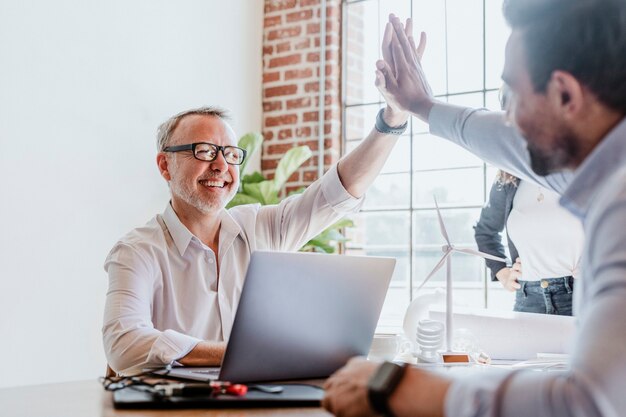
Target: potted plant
(255,188)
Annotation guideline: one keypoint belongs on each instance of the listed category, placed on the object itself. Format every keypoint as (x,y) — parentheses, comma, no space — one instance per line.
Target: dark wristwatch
(384,128)
(382,384)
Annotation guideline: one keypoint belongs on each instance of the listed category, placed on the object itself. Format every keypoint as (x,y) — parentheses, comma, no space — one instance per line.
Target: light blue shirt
(596,193)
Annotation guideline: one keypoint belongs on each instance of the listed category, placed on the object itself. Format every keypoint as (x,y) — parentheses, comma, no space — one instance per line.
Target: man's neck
(205,226)
(598,123)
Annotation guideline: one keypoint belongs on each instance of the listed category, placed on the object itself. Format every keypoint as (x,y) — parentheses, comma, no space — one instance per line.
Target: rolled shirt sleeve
(130,340)
(299,218)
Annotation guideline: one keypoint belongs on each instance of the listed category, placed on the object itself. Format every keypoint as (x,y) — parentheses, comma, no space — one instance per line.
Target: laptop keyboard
(215,372)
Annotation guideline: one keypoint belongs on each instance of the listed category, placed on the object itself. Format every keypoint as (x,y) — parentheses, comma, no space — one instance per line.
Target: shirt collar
(181,236)
(608,156)
(179,232)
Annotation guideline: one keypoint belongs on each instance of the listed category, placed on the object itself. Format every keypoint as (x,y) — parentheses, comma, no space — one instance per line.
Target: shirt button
(211,260)
(544,283)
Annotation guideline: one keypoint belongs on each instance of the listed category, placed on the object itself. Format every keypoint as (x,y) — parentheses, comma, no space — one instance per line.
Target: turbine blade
(435,269)
(479,253)
(441,224)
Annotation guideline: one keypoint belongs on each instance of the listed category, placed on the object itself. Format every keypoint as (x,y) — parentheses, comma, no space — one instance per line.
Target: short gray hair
(165,130)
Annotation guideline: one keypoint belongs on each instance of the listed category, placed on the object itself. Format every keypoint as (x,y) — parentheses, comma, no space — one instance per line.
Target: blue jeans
(547,296)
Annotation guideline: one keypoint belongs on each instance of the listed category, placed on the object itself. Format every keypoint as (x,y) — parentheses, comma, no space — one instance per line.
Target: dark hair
(586,38)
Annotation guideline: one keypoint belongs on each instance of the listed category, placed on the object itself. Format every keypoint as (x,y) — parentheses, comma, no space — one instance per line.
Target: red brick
(272,21)
(267,164)
(276,5)
(268,135)
(272,106)
(313,86)
(312,28)
(269,77)
(313,116)
(284,33)
(298,103)
(292,188)
(283,47)
(294,177)
(309,176)
(303,132)
(283,90)
(285,134)
(303,44)
(298,16)
(313,57)
(285,60)
(304,3)
(268,50)
(297,74)
(329,41)
(279,149)
(287,119)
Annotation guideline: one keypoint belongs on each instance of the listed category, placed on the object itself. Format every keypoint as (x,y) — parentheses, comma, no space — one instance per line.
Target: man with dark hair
(566,65)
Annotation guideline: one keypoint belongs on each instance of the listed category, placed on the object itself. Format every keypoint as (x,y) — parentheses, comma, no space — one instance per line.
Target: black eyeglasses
(208,152)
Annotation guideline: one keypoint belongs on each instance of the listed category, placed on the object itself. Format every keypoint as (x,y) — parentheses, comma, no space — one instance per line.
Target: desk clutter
(145,391)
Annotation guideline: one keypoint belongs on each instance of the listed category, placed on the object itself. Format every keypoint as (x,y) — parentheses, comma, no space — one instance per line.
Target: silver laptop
(301,315)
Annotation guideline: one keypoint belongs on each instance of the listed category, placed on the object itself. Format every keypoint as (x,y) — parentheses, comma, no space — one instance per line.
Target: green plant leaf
(262,191)
(315,245)
(289,163)
(241,198)
(253,178)
(251,142)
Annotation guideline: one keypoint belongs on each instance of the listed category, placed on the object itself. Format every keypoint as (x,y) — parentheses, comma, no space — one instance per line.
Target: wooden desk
(88,399)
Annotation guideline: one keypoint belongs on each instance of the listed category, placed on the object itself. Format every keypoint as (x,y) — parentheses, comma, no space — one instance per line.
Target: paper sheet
(512,335)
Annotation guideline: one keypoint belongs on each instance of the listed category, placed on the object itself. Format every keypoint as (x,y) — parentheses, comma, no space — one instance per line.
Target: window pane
(362,52)
(465,45)
(492,100)
(496,34)
(389,191)
(360,120)
(469,100)
(399,160)
(429,16)
(456,186)
(380,231)
(432,152)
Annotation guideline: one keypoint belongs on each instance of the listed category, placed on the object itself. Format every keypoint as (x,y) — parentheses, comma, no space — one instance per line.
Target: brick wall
(291,60)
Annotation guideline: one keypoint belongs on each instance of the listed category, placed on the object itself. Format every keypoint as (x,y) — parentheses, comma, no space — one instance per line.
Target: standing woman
(548,244)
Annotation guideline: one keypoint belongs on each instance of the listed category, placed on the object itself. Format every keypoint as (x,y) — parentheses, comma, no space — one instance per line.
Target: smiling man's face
(206,186)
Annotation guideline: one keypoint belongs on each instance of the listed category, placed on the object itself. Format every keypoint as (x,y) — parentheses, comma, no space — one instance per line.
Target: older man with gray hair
(175,282)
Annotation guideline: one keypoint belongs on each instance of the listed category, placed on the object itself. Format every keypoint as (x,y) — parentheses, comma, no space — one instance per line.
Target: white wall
(83,86)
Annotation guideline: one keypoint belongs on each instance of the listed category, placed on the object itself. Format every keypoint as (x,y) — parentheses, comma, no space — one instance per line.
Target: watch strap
(382,126)
(382,384)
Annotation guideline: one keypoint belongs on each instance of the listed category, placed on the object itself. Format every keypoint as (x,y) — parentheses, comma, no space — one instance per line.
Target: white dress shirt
(164,295)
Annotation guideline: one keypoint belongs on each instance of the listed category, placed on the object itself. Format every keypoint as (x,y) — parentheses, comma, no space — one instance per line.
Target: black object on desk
(292,395)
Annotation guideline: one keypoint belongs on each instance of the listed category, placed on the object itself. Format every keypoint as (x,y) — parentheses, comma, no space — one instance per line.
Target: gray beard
(194,200)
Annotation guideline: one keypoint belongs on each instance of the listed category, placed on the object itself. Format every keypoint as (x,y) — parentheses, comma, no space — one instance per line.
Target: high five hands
(399,75)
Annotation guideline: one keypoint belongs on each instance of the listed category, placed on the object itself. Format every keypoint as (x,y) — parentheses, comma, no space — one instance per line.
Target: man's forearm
(205,354)
(419,393)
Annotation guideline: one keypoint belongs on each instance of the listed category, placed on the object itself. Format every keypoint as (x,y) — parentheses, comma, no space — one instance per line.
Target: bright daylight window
(463,62)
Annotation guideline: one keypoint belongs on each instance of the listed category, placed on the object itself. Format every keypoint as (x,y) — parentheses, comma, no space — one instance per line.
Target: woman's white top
(549,239)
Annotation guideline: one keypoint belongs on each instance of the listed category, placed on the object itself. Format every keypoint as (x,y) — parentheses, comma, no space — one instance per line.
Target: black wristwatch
(382,384)
(384,128)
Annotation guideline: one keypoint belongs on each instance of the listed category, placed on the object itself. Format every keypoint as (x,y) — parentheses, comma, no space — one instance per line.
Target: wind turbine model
(448,249)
